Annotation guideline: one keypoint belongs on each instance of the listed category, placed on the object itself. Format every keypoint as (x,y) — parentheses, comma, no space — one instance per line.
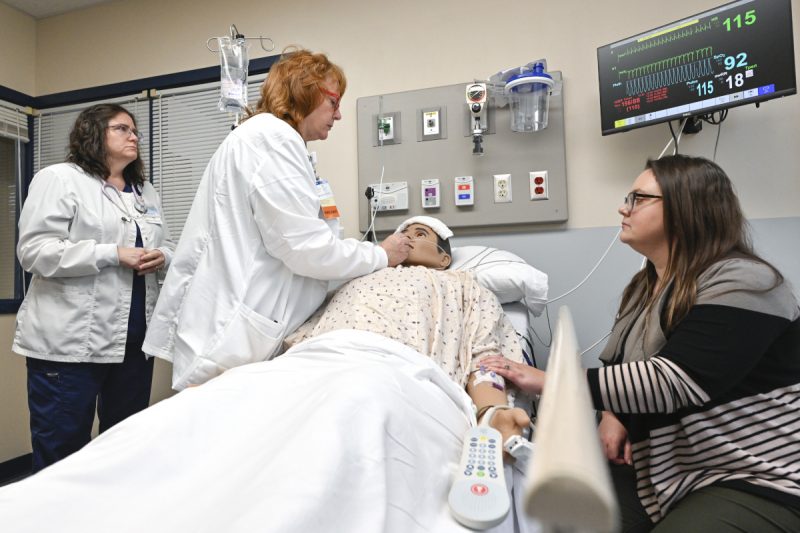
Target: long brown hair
(87,143)
(703,224)
(292,88)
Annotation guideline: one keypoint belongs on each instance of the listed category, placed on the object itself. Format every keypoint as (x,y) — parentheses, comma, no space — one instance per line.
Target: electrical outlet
(539,189)
(502,188)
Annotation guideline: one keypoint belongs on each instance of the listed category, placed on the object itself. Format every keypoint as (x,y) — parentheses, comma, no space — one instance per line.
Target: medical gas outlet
(390,196)
(430,193)
(538,182)
(386,129)
(502,188)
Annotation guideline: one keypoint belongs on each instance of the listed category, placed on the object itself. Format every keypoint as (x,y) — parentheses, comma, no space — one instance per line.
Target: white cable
(665,148)
(671,140)
(716,144)
(601,339)
(590,272)
(373,211)
(680,132)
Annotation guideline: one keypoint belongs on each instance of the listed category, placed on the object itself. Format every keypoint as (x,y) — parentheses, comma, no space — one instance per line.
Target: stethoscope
(119,203)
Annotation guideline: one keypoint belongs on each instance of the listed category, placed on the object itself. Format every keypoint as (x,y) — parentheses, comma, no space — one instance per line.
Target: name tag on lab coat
(326,200)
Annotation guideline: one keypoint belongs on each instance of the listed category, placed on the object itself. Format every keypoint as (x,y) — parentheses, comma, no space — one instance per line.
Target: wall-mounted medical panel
(439,146)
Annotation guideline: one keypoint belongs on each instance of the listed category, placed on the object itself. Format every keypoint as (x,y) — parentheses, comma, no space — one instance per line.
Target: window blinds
(9,168)
(13,132)
(52,127)
(187,129)
(13,122)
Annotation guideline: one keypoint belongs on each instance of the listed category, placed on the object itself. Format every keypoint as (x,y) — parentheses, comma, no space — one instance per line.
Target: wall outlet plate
(502,188)
(538,185)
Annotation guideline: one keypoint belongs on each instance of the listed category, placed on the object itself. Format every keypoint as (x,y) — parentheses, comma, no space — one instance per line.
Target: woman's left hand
(151,261)
(529,379)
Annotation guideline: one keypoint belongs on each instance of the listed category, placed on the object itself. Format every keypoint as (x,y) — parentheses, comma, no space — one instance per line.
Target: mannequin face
(425,249)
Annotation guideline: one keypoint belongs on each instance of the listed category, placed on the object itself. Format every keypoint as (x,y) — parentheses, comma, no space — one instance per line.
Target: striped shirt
(718,402)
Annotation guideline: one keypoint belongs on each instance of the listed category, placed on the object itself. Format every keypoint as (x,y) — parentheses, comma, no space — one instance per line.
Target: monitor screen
(735,54)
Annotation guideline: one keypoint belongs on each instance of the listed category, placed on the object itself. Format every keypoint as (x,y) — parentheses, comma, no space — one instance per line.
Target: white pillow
(507,275)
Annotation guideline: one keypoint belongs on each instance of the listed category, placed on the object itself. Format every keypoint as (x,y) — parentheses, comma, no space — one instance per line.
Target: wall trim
(15,469)
(258,65)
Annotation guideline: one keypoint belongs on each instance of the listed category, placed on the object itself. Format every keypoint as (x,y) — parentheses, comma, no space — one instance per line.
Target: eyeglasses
(632,197)
(335,97)
(125,130)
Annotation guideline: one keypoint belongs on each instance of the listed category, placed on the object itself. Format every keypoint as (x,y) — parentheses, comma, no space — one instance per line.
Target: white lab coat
(79,299)
(254,258)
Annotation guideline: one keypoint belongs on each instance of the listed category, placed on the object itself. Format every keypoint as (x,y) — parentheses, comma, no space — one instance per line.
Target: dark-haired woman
(701,384)
(92,234)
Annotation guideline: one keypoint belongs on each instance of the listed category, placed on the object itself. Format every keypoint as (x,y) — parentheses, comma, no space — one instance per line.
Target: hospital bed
(348,431)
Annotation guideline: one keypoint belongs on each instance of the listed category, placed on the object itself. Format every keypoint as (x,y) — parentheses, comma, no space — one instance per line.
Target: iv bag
(233,77)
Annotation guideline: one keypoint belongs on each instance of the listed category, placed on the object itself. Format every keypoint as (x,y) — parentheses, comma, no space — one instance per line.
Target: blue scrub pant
(62,398)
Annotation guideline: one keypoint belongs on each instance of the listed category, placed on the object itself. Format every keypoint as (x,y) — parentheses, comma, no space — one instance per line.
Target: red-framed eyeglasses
(336,97)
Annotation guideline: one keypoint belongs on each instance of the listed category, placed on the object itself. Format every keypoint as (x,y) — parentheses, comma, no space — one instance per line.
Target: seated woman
(444,314)
(702,375)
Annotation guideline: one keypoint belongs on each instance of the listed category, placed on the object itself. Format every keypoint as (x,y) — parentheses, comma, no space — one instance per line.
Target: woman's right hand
(614,438)
(397,247)
(130,257)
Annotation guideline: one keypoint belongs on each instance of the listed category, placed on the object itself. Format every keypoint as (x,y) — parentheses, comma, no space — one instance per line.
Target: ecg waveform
(661,40)
(665,72)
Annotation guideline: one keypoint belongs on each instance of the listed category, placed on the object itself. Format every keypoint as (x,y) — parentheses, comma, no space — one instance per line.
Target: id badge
(326,200)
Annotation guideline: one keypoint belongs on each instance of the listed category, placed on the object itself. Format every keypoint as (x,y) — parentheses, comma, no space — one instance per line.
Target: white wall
(396,46)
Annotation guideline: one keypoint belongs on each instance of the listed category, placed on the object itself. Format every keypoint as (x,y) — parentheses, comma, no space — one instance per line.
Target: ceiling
(40,9)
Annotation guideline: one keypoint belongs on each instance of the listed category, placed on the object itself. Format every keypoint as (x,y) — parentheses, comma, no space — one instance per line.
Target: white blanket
(347,432)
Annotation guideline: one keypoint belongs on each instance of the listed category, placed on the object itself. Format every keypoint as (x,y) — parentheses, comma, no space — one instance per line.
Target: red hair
(292,88)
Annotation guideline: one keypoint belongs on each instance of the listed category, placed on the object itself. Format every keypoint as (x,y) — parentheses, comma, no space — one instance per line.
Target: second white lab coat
(77,306)
(254,258)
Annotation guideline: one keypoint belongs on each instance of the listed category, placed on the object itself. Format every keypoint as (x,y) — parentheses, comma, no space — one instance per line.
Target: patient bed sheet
(348,431)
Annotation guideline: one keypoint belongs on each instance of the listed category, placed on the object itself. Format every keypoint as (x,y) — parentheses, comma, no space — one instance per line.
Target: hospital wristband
(483,410)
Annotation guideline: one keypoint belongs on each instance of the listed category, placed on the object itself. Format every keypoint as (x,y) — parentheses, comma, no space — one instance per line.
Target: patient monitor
(568,482)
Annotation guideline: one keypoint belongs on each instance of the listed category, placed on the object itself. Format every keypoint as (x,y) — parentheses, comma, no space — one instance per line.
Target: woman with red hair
(261,240)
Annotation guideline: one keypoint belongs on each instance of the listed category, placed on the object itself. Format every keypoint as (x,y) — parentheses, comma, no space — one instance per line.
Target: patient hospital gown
(443,314)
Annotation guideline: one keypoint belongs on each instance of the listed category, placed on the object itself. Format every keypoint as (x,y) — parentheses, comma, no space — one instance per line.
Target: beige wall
(18,59)
(396,46)
(14,436)
(17,71)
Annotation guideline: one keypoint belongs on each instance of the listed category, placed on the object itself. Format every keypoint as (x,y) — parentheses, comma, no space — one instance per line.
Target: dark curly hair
(87,143)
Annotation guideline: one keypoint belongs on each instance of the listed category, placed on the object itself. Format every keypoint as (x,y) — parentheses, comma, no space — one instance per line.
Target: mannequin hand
(509,422)
(151,261)
(397,247)
(130,257)
(529,379)
(614,438)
